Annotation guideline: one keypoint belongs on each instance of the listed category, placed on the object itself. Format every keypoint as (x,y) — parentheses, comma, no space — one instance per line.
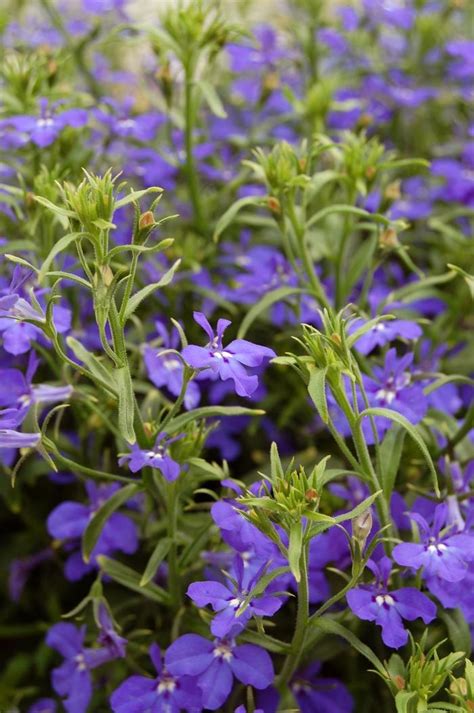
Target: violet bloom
(164,692)
(123,123)
(156,457)
(43,705)
(393,388)
(20,570)
(229,362)
(321,694)
(215,663)
(385,332)
(166,370)
(68,521)
(16,390)
(442,555)
(15,439)
(72,680)
(108,636)
(44,129)
(387,608)
(227,600)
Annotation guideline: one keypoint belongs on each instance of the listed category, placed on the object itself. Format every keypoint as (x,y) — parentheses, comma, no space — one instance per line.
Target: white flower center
(382,599)
(80,662)
(437,549)
(223,651)
(166,685)
(387,395)
(43,123)
(223,355)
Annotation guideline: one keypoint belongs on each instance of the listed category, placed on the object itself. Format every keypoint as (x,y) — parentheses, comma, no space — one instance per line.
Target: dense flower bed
(235,355)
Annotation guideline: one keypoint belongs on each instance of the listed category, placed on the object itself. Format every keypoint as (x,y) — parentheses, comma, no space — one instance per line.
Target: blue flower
(156,457)
(164,692)
(228,362)
(215,663)
(388,608)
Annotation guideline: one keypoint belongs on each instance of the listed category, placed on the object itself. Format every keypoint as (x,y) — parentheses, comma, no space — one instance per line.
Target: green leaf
(126,403)
(451,378)
(136,195)
(469,279)
(458,629)
(130,579)
(212,98)
(359,509)
(98,370)
(264,304)
(57,210)
(100,517)
(390,455)
(142,294)
(317,390)
(178,423)
(407,702)
(61,245)
(157,557)
(228,217)
(352,210)
(405,423)
(261,586)
(329,626)
(295,548)
(103,224)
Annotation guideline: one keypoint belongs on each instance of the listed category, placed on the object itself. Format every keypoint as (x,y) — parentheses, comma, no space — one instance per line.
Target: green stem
(76,49)
(191,173)
(302,616)
(316,286)
(173,572)
(128,288)
(341,255)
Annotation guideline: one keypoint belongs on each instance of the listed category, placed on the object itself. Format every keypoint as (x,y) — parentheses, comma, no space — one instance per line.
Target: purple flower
(167,369)
(321,694)
(14,439)
(164,692)
(229,362)
(227,599)
(44,129)
(108,637)
(442,555)
(72,680)
(385,332)
(20,570)
(156,457)
(69,520)
(43,705)
(121,122)
(16,390)
(215,663)
(388,608)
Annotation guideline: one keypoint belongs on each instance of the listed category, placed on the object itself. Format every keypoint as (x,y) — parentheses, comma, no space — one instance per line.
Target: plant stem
(191,173)
(173,573)
(291,662)
(316,286)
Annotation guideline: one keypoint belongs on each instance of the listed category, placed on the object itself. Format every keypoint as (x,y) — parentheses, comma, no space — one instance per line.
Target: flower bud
(146,220)
(274,205)
(361,527)
(388,239)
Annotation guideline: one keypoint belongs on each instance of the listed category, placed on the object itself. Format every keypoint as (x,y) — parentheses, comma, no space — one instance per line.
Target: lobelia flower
(442,554)
(384,332)
(321,694)
(121,122)
(229,362)
(72,680)
(16,390)
(44,129)
(108,637)
(167,369)
(43,705)
(163,693)
(215,663)
(20,570)
(387,608)
(227,599)
(68,521)
(157,457)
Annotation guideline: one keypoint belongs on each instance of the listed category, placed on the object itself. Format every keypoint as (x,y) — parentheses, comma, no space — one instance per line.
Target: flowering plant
(236,420)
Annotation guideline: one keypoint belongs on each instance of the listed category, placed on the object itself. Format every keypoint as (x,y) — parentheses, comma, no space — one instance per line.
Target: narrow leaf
(126,403)
(229,216)
(130,579)
(212,98)
(330,626)
(157,557)
(61,245)
(178,423)
(100,372)
(390,456)
(264,304)
(317,390)
(142,294)
(295,548)
(405,423)
(100,517)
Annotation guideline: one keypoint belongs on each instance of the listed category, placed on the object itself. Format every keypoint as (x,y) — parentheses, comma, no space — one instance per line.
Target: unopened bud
(311,495)
(148,428)
(274,204)
(365,120)
(361,527)
(146,219)
(302,164)
(370,172)
(107,275)
(271,81)
(336,339)
(388,239)
(392,192)
(399,681)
